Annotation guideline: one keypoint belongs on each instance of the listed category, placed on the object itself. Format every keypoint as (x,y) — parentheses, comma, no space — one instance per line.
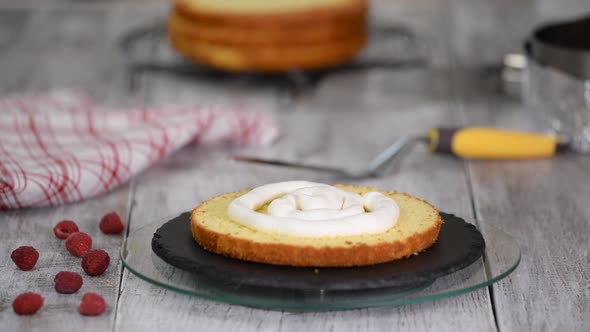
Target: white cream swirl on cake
(309,209)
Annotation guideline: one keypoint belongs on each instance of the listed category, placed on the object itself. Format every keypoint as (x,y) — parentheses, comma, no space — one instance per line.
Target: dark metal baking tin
(563,45)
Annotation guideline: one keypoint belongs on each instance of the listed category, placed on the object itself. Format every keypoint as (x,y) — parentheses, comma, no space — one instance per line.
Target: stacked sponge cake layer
(268,36)
(417,228)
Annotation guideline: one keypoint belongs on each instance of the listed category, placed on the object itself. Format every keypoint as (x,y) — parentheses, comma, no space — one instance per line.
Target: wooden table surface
(344,120)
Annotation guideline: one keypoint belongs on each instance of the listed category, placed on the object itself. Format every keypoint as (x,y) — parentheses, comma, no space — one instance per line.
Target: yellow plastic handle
(489,143)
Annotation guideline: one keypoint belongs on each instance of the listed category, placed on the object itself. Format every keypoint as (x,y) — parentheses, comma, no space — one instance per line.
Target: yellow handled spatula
(490,143)
(467,142)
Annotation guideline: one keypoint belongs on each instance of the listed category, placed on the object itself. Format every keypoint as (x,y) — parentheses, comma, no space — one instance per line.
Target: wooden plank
(34,227)
(62,49)
(543,204)
(184,180)
(78,51)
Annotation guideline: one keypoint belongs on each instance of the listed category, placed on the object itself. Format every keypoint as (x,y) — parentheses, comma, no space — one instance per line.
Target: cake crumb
(316,271)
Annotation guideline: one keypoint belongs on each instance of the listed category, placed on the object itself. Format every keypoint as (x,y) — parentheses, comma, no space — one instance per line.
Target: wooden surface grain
(343,121)
(544,205)
(34,228)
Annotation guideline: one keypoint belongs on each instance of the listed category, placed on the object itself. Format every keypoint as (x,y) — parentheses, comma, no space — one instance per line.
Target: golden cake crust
(280,14)
(275,252)
(268,58)
(184,27)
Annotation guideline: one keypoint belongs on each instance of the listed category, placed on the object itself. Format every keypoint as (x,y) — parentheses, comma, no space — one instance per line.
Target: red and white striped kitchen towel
(62,147)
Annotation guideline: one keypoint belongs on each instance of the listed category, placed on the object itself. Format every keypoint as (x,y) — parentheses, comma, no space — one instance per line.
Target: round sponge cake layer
(417,228)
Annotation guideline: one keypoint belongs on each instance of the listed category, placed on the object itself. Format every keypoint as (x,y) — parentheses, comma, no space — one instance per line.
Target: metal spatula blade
(467,143)
(376,167)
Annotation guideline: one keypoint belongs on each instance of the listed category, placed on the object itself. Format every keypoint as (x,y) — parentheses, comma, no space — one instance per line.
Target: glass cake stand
(502,256)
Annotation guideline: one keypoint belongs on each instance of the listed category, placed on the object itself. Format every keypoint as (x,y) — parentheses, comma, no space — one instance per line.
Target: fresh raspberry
(67,282)
(64,228)
(111,224)
(95,262)
(27,303)
(92,305)
(78,243)
(25,257)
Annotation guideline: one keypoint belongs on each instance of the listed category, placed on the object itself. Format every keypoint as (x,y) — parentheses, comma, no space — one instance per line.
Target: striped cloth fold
(62,147)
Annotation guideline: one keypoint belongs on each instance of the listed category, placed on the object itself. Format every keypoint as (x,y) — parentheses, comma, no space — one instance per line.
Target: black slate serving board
(458,246)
